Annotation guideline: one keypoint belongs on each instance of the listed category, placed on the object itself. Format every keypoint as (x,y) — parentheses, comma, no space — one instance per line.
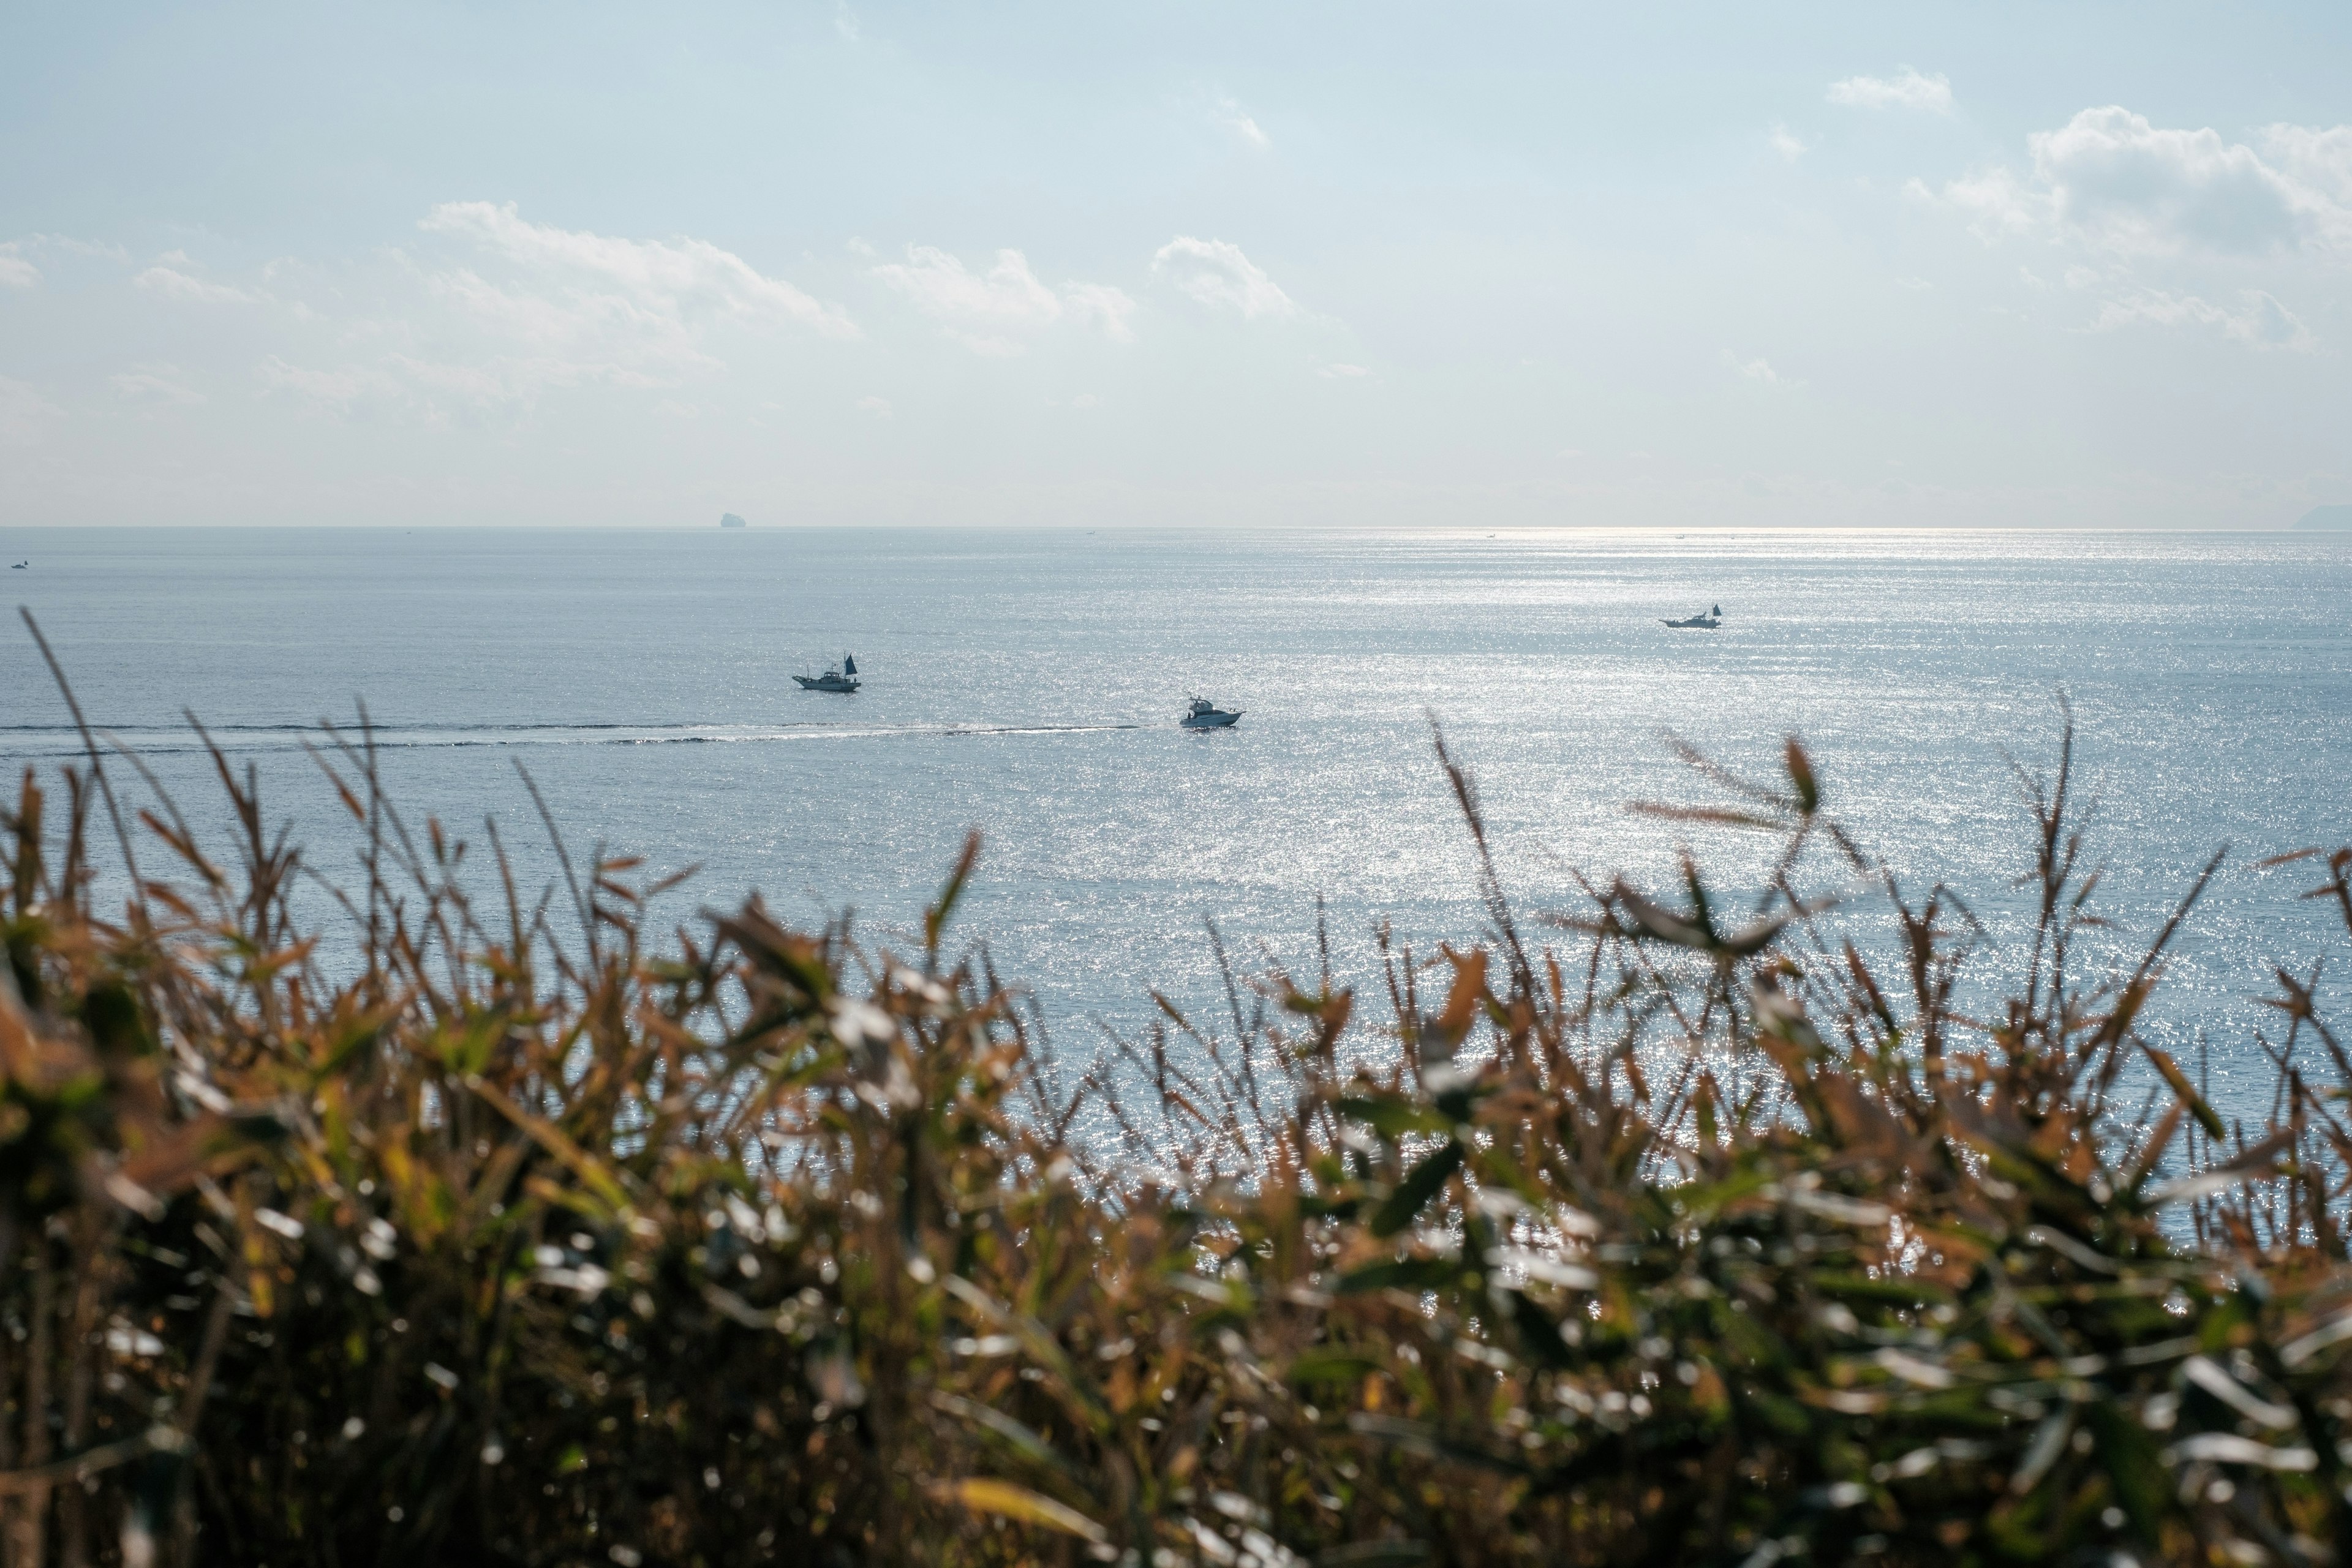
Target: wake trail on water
(40,741)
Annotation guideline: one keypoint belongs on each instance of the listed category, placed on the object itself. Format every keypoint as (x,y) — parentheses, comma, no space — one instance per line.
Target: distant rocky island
(2327,516)
(729,520)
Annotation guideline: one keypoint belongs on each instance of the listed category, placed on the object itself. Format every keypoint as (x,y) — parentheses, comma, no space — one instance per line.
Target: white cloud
(175,285)
(845,22)
(1996,201)
(1102,305)
(1343,371)
(15,272)
(678,280)
(1785,142)
(1760,370)
(2120,182)
(1232,116)
(537,307)
(2129,193)
(104,250)
(1906,90)
(877,407)
(2259,321)
(154,383)
(2318,159)
(529,336)
(549,318)
(2112,180)
(337,390)
(943,287)
(518,379)
(1216,274)
(990,313)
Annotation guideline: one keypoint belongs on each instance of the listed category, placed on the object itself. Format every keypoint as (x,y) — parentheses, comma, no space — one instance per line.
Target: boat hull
(826,683)
(1209,722)
(1696,624)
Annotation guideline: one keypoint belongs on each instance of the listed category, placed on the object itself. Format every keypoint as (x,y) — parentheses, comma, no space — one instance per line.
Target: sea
(1026,686)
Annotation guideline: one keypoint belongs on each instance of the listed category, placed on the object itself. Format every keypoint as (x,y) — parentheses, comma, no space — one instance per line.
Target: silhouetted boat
(1705,623)
(843,680)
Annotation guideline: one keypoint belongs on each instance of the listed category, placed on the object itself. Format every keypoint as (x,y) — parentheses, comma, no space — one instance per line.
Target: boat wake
(37,740)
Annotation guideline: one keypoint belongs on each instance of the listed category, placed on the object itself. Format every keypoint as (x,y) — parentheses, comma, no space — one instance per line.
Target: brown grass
(1659,1234)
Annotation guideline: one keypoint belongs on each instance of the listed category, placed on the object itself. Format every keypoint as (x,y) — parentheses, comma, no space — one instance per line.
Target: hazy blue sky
(1105,264)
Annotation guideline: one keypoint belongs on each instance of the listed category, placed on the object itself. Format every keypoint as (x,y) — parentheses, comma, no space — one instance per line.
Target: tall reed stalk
(499,1229)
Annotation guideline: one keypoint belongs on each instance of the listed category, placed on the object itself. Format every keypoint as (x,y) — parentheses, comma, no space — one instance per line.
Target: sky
(1116,264)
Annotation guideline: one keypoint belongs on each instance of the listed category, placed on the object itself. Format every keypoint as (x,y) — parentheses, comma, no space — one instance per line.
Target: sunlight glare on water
(1028,684)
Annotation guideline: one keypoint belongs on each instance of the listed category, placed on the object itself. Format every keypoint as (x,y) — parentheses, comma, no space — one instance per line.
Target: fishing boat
(1703,623)
(1204,714)
(843,680)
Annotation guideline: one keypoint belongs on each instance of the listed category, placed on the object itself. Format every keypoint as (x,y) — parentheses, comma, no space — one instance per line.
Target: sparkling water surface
(1027,684)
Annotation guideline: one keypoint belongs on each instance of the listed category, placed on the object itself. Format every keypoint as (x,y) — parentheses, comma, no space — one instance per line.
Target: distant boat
(19,566)
(1204,714)
(1703,623)
(843,680)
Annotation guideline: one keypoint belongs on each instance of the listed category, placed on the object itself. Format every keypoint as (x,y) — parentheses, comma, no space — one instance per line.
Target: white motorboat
(1204,714)
(1703,623)
(843,680)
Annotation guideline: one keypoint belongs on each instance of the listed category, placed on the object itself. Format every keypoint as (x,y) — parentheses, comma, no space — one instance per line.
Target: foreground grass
(1685,1238)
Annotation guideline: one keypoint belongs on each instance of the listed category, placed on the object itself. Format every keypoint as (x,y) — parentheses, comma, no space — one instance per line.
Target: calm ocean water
(1027,684)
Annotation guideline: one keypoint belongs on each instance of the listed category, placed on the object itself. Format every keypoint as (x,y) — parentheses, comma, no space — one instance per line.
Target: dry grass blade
(431,1234)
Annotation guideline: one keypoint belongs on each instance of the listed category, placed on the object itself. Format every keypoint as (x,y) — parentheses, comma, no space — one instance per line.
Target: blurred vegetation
(1658,1231)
